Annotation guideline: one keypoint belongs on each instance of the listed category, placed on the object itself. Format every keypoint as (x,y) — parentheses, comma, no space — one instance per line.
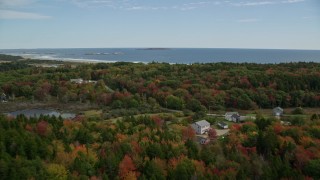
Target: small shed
(223,125)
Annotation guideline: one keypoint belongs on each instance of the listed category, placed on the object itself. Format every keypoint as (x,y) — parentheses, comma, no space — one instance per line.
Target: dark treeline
(4,57)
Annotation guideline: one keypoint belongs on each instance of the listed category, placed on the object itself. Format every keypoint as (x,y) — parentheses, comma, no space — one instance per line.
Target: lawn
(147,114)
(92,113)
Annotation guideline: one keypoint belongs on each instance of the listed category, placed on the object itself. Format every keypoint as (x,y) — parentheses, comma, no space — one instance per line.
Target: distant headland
(154,49)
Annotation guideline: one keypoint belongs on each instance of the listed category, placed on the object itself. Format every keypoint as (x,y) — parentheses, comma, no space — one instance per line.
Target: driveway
(221,132)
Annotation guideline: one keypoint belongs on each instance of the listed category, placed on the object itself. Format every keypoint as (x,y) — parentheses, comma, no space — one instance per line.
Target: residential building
(81,81)
(278,111)
(201,127)
(237,118)
(228,115)
(77,81)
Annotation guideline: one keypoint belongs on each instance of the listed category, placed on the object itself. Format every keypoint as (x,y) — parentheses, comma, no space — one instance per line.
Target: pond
(38,112)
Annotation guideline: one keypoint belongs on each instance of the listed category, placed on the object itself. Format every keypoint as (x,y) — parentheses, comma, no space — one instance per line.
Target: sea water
(170,55)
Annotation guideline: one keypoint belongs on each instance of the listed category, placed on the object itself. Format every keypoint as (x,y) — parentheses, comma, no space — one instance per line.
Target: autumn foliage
(188,133)
(42,128)
(212,134)
(127,169)
(143,128)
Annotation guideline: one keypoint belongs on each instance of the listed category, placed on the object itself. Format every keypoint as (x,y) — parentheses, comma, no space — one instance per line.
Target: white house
(278,111)
(201,126)
(228,115)
(81,81)
(77,81)
(223,125)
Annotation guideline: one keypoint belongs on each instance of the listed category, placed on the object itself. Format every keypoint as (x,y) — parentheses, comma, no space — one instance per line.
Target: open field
(147,114)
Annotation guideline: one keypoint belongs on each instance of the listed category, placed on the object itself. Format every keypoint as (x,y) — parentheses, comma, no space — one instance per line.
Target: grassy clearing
(147,114)
(92,113)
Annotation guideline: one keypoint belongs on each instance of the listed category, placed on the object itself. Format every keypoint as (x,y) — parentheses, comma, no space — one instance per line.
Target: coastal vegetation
(195,87)
(134,120)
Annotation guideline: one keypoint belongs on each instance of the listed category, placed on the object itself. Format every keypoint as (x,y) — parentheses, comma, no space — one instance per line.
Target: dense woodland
(160,146)
(148,148)
(196,87)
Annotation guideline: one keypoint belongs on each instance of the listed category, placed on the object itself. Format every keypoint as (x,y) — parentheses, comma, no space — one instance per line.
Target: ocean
(170,55)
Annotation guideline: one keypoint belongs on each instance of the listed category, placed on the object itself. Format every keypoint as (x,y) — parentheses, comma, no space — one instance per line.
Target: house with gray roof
(201,127)
(238,119)
(228,115)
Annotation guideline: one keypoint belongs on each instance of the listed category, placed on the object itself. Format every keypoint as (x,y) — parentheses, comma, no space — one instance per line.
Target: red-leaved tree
(188,133)
(127,167)
(159,122)
(212,134)
(42,128)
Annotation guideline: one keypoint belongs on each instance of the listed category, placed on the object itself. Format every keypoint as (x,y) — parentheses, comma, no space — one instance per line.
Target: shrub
(297,110)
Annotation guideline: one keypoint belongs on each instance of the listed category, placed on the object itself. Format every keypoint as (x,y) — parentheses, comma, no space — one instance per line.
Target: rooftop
(231,113)
(235,115)
(202,123)
(222,123)
(278,108)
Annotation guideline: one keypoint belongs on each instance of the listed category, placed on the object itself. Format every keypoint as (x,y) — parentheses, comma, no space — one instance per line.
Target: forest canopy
(146,143)
(196,87)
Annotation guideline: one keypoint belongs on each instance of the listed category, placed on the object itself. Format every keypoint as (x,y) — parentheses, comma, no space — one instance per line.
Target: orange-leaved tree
(127,168)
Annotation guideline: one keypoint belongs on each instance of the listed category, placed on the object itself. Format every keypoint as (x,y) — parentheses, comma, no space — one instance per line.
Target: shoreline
(70,60)
(95,61)
(57,59)
(82,61)
(29,57)
(85,61)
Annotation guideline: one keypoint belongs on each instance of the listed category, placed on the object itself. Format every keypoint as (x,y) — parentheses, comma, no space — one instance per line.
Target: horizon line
(155,47)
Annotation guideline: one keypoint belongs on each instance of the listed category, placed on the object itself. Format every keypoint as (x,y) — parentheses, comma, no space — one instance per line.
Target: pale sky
(271,24)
